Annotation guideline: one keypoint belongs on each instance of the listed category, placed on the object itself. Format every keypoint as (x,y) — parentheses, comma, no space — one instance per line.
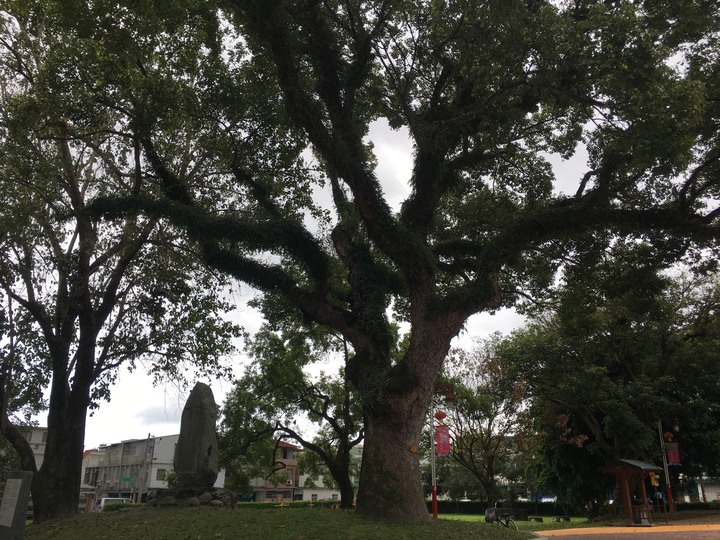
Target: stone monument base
(192,496)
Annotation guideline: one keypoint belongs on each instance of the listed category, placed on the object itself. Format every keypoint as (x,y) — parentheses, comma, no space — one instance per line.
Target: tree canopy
(277,395)
(276,97)
(486,415)
(626,347)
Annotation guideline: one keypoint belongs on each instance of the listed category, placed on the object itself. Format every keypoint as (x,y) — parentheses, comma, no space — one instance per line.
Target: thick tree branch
(557,223)
(342,147)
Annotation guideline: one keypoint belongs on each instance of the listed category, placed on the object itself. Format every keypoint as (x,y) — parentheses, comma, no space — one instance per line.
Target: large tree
(487,91)
(81,299)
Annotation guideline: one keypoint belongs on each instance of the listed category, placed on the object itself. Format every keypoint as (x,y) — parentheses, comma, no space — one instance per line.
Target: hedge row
(477,507)
(712,505)
(292,504)
(541,508)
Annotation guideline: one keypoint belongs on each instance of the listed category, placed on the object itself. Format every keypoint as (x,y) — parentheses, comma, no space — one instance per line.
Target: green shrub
(291,504)
(712,505)
(114,507)
(478,508)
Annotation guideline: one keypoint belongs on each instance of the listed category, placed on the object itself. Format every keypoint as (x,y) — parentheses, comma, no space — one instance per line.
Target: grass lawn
(547,524)
(264,524)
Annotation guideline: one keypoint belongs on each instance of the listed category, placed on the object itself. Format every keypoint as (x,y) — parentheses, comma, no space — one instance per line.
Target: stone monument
(14,505)
(196,453)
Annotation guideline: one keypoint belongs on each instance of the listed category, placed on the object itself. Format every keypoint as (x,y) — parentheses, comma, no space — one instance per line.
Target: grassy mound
(201,523)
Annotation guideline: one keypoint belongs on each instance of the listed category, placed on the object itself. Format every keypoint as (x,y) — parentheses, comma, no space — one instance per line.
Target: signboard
(14,505)
(673,453)
(9,501)
(442,441)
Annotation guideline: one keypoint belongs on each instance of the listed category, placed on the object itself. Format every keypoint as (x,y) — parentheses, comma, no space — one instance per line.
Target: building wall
(296,490)
(132,468)
(37,437)
(318,492)
(710,488)
(90,466)
(265,490)
(122,469)
(162,461)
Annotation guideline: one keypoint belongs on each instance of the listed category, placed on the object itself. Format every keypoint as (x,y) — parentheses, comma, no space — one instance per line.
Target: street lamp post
(671,502)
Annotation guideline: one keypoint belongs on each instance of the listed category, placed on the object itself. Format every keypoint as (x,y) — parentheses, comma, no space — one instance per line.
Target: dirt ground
(692,517)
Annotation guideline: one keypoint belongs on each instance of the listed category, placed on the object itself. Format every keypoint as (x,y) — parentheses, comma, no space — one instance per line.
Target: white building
(37,437)
(298,486)
(131,468)
(315,490)
(709,489)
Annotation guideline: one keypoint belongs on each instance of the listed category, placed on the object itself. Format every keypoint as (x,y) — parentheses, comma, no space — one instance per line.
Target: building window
(313,497)
(161,475)
(334,497)
(45,435)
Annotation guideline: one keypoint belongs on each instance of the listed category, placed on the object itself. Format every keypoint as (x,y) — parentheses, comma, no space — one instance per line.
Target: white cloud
(394,152)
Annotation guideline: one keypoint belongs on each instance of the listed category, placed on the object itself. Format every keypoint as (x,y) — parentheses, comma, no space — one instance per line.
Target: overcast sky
(138,409)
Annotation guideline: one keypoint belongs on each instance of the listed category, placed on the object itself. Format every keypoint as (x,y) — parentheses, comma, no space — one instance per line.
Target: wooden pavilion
(631,475)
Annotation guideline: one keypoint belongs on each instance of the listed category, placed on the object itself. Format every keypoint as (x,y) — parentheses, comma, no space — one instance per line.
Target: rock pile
(192,497)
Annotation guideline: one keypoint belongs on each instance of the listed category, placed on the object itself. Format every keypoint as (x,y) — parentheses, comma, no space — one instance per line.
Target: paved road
(660,532)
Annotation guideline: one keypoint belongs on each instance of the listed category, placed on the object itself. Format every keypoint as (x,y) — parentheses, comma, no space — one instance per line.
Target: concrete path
(659,532)
(688,525)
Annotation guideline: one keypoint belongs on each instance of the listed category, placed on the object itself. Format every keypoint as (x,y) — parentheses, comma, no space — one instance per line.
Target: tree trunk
(488,484)
(390,478)
(19,444)
(390,483)
(347,493)
(56,487)
(340,471)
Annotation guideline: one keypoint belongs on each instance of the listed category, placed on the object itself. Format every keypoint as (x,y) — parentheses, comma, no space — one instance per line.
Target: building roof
(632,464)
(283,444)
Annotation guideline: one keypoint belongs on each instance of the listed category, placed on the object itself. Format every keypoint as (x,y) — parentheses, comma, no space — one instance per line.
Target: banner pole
(432,461)
(671,502)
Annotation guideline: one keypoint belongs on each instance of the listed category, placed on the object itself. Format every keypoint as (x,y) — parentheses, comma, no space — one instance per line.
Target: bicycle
(492,516)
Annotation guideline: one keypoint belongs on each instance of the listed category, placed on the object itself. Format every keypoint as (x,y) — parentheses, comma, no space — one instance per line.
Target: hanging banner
(442,441)
(673,453)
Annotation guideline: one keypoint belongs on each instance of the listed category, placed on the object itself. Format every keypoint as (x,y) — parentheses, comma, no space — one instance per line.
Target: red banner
(673,453)
(442,441)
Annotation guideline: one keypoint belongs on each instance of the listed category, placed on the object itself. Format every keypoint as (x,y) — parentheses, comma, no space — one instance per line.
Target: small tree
(276,393)
(487,415)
